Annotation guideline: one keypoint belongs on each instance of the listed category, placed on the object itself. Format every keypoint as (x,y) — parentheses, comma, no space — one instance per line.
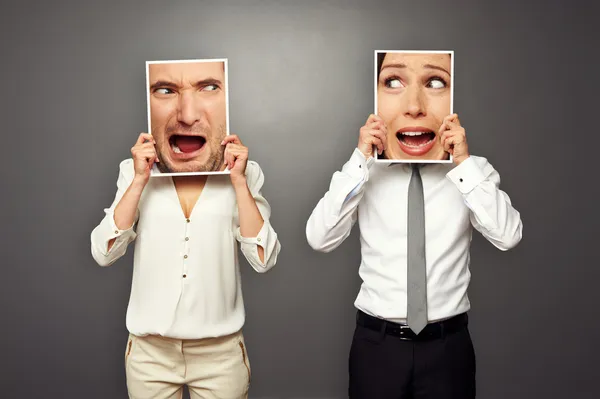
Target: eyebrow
(171,85)
(428,66)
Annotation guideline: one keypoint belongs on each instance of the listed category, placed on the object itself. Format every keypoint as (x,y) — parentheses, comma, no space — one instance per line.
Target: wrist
(364,153)
(239,183)
(459,160)
(139,182)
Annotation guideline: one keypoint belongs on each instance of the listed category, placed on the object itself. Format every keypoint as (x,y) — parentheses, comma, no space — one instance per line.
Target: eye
(163,90)
(210,88)
(436,83)
(393,83)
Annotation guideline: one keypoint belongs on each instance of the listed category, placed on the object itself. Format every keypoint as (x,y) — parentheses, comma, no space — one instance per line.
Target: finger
(444,141)
(443,128)
(378,143)
(232,159)
(376,125)
(229,159)
(147,156)
(451,139)
(453,124)
(382,137)
(451,117)
(237,150)
(452,120)
(450,143)
(378,133)
(141,147)
(449,125)
(368,134)
(144,150)
(373,118)
(145,146)
(384,141)
(233,146)
(143,137)
(231,138)
(457,131)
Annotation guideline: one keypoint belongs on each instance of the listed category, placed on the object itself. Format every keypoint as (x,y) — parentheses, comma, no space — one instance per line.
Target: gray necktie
(416,274)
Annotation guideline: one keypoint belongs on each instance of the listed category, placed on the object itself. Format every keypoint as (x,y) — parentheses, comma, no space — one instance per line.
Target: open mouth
(181,144)
(416,141)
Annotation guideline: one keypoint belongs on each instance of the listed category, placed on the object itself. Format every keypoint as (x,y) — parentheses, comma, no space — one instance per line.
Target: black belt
(431,331)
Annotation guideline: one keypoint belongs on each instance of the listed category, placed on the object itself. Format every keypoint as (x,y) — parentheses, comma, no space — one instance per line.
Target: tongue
(188,143)
(416,140)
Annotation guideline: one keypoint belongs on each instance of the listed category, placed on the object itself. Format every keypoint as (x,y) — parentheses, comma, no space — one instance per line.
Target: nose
(190,108)
(415,102)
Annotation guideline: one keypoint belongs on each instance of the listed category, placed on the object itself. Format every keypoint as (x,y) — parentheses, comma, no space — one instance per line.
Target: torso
(189,189)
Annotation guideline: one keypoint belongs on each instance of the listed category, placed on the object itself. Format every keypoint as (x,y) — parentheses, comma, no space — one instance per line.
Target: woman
(413,98)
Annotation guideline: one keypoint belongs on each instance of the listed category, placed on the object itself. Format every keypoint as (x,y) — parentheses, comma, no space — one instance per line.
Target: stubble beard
(212,164)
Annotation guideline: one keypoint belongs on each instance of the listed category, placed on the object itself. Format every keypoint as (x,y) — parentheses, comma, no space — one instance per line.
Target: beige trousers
(212,368)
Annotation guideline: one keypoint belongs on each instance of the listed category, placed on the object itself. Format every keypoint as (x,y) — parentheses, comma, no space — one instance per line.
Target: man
(411,338)
(186,310)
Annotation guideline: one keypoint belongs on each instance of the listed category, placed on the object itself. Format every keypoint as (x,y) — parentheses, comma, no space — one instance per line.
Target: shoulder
(126,169)
(480,161)
(126,165)
(254,174)
(252,168)
(483,163)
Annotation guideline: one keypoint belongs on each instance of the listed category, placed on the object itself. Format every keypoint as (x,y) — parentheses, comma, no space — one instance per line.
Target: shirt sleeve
(332,220)
(492,213)
(266,237)
(107,229)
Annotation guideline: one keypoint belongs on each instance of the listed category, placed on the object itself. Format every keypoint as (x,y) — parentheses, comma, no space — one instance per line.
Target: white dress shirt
(186,280)
(457,199)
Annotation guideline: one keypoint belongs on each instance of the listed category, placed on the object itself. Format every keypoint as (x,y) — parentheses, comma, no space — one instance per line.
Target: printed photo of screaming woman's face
(413,96)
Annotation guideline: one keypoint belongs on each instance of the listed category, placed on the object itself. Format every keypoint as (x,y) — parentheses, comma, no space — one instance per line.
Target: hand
(144,156)
(453,138)
(373,133)
(236,158)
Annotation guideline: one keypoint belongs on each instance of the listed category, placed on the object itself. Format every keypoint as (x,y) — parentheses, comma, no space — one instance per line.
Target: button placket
(186,247)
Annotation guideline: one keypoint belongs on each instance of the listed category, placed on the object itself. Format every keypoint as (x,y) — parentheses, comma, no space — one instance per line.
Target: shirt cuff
(358,166)
(260,238)
(466,176)
(115,232)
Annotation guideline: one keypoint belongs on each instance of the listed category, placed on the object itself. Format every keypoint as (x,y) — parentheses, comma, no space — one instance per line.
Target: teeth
(175,149)
(415,134)
(416,146)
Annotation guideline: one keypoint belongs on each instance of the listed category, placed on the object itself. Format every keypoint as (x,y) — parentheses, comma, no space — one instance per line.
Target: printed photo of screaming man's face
(188,115)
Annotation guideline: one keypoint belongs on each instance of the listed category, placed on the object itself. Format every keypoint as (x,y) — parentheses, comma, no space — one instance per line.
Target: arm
(258,240)
(114,233)
(332,219)
(492,213)
(336,213)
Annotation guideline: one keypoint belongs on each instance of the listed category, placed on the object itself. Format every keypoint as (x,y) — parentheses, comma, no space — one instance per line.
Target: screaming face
(413,98)
(188,115)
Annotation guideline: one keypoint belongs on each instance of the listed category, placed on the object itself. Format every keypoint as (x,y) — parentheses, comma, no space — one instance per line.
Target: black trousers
(385,366)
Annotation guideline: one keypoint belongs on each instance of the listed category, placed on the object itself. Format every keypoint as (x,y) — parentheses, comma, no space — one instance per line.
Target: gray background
(300,88)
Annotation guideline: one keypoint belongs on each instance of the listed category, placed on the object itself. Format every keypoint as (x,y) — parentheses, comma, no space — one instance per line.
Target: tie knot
(416,167)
